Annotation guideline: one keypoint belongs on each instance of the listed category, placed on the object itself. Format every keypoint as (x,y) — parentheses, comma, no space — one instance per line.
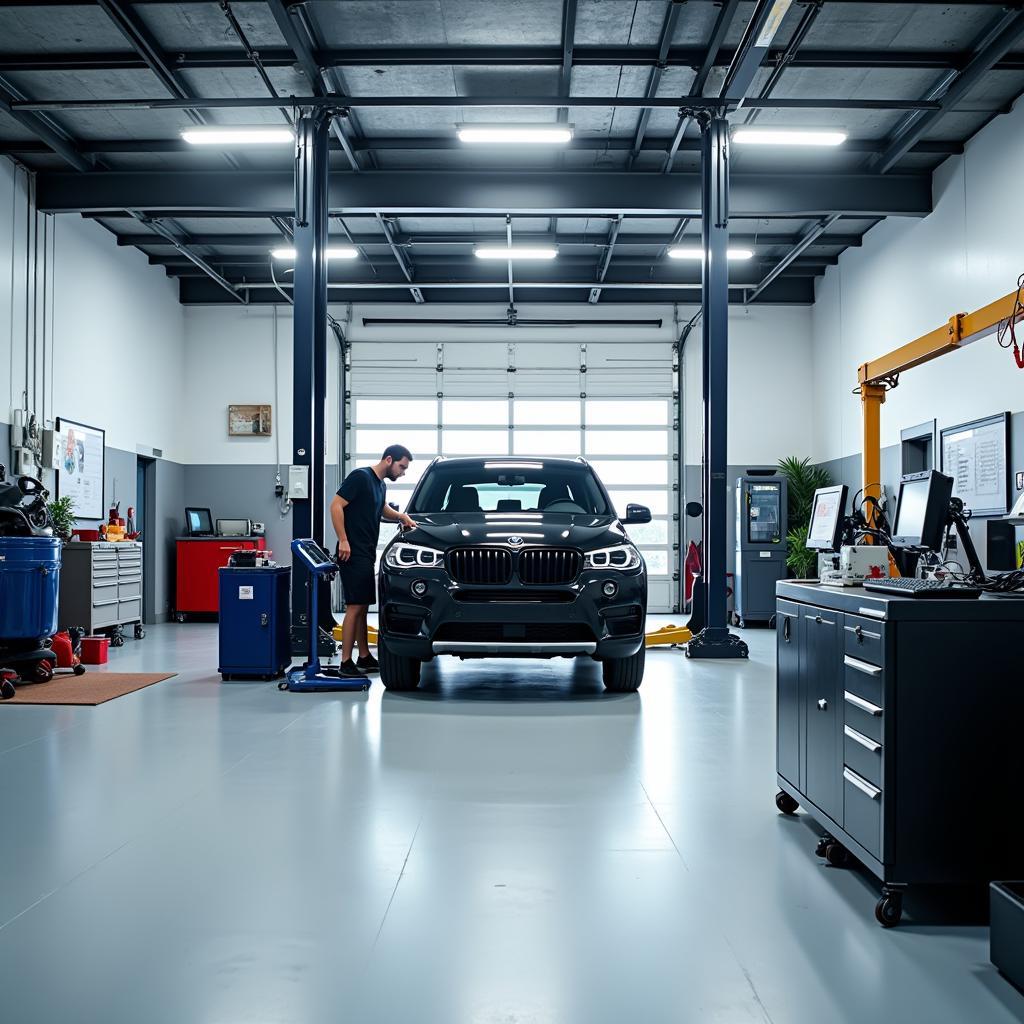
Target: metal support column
(309,388)
(715,640)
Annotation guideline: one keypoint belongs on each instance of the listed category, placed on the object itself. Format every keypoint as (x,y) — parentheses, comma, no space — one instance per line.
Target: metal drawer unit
(927,703)
(101,587)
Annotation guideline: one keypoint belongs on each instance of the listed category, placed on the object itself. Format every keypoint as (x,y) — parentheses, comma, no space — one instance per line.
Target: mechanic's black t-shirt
(365,494)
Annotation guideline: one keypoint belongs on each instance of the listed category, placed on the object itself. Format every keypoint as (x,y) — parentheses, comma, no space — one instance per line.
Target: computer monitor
(922,510)
(825,531)
(199,522)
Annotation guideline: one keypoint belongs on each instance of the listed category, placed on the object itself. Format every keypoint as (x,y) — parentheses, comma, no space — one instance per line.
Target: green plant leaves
(803,480)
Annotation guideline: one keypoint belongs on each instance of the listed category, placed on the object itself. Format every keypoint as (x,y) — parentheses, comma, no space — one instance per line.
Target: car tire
(396,672)
(624,675)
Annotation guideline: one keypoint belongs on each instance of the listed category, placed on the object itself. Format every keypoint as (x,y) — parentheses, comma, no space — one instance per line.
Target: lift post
(309,386)
(715,640)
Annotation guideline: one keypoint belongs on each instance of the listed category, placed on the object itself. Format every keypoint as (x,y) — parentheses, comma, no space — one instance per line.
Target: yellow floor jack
(668,636)
(371,634)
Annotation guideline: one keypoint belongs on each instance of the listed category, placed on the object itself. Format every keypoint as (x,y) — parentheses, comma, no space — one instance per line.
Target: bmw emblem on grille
(516,542)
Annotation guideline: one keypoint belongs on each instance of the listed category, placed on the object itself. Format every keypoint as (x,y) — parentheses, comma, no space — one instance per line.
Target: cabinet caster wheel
(823,844)
(7,690)
(889,909)
(140,633)
(117,641)
(79,670)
(785,803)
(179,617)
(837,855)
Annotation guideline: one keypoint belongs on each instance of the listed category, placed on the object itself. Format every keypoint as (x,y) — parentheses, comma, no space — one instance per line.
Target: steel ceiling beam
(48,132)
(668,30)
(400,259)
(300,45)
(623,241)
(1001,37)
(488,193)
(718,33)
(764,22)
(805,242)
(500,56)
(613,236)
(449,102)
(569,8)
(185,250)
(660,144)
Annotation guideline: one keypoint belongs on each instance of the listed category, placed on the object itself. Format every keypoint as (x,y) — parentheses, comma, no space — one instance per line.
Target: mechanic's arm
(393,516)
(338,519)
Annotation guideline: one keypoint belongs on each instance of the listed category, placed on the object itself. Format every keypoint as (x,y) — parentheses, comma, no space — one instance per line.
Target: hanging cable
(284,502)
(1009,326)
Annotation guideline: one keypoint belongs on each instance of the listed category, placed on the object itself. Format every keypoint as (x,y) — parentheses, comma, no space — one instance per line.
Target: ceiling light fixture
(540,134)
(257,136)
(341,253)
(504,252)
(682,252)
(786,137)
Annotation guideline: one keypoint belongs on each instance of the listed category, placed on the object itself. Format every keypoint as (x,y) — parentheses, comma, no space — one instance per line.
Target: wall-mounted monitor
(975,455)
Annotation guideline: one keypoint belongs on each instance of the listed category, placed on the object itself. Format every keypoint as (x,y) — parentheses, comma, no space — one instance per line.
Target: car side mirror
(637,514)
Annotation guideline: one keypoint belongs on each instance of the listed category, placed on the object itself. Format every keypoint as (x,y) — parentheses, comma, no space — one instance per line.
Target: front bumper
(512,621)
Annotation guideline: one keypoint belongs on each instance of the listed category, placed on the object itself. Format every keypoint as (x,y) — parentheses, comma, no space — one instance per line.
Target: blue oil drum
(29,582)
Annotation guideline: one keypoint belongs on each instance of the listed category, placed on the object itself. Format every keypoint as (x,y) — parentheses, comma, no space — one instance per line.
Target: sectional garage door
(612,403)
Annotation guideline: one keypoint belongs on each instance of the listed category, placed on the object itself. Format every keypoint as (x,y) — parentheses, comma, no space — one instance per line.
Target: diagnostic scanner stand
(313,677)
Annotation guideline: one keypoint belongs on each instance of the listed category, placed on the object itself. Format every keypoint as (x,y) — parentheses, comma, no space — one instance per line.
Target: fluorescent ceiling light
(340,253)
(494,252)
(215,136)
(528,133)
(682,252)
(786,137)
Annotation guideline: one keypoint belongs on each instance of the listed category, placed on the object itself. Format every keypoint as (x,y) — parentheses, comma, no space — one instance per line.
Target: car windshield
(510,487)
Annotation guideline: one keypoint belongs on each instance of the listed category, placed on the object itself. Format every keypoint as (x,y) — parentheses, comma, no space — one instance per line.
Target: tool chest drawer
(862,811)
(864,638)
(862,715)
(864,679)
(862,754)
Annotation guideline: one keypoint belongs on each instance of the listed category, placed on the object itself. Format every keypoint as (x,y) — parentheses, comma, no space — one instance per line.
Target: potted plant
(803,480)
(62,516)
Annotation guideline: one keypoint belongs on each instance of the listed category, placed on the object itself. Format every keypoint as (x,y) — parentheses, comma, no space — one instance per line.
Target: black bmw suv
(512,557)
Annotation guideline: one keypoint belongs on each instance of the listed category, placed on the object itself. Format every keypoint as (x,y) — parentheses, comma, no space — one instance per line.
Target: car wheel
(397,672)
(624,675)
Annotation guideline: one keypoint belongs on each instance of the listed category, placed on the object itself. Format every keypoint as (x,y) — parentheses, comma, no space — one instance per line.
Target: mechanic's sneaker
(349,670)
(368,664)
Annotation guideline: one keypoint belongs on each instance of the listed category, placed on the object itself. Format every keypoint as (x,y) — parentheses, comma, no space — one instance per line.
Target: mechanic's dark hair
(396,452)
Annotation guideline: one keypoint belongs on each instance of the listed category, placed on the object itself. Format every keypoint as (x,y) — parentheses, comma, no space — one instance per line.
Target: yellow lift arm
(878,375)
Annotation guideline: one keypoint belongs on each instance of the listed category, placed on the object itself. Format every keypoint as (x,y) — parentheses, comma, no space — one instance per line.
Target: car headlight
(622,556)
(413,556)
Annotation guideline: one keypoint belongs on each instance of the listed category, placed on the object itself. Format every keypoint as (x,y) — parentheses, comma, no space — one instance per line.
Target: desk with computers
(898,718)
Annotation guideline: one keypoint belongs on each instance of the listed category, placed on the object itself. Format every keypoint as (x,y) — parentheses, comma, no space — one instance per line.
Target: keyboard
(900,586)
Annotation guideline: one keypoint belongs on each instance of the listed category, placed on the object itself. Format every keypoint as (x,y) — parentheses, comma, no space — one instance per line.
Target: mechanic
(356,512)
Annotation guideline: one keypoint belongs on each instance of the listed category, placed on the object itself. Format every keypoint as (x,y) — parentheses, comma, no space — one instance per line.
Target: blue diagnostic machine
(313,677)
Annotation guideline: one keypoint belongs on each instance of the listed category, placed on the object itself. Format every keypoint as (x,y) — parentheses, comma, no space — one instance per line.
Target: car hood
(445,530)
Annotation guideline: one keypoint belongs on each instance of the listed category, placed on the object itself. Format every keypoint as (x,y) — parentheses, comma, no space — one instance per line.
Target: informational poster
(80,473)
(975,456)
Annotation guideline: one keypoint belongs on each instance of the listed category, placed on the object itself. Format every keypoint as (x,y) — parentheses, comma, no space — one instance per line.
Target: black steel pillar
(715,640)
(309,387)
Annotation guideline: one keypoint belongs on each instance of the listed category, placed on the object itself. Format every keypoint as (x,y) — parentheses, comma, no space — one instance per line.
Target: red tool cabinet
(198,560)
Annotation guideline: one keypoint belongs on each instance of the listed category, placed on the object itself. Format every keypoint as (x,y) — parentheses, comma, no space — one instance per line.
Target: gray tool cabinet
(900,731)
(101,588)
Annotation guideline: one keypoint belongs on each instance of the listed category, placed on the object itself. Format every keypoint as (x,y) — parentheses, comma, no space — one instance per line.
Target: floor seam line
(398,882)
(661,822)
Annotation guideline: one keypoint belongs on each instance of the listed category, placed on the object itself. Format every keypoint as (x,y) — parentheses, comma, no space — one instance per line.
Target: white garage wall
(116,329)
(908,278)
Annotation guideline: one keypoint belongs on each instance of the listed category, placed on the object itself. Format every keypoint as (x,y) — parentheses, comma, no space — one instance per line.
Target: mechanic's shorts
(358,582)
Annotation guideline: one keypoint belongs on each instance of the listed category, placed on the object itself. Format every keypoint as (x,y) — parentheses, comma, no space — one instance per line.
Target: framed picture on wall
(975,455)
(80,473)
(249,421)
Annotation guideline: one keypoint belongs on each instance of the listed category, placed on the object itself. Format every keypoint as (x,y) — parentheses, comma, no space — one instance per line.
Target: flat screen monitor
(199,522)
(824,533)
(922,510)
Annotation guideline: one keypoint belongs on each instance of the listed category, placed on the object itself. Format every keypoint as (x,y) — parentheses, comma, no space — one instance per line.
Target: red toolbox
(199,558)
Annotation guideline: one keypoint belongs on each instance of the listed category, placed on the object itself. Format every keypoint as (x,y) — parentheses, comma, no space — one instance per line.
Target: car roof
(512,460)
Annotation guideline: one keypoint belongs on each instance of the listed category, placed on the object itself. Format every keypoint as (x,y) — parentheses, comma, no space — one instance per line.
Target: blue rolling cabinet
(254,622)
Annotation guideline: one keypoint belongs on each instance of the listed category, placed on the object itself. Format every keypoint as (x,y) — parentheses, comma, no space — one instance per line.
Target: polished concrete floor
(509,845)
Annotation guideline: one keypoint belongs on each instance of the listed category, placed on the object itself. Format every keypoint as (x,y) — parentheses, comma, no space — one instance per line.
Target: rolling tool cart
(254,621)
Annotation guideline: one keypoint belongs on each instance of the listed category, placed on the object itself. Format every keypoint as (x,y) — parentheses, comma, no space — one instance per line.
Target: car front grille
(548,565)
(523,632)
(480,565)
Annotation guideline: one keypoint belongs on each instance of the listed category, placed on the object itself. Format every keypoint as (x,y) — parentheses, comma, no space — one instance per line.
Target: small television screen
(199,522)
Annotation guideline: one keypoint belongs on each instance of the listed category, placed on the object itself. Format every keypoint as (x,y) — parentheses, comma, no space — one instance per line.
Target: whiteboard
(975,456)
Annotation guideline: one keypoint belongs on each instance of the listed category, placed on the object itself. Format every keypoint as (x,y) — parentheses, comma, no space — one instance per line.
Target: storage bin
(29,584)
(94,650)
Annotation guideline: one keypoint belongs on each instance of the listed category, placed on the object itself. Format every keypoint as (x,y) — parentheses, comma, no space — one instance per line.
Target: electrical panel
(298,483)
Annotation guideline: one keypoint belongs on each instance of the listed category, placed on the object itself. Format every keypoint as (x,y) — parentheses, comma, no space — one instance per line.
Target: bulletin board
(80,472)
(975,455)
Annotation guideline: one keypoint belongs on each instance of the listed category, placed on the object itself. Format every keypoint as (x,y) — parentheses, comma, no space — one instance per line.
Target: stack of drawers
(100,585)
(863,730)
